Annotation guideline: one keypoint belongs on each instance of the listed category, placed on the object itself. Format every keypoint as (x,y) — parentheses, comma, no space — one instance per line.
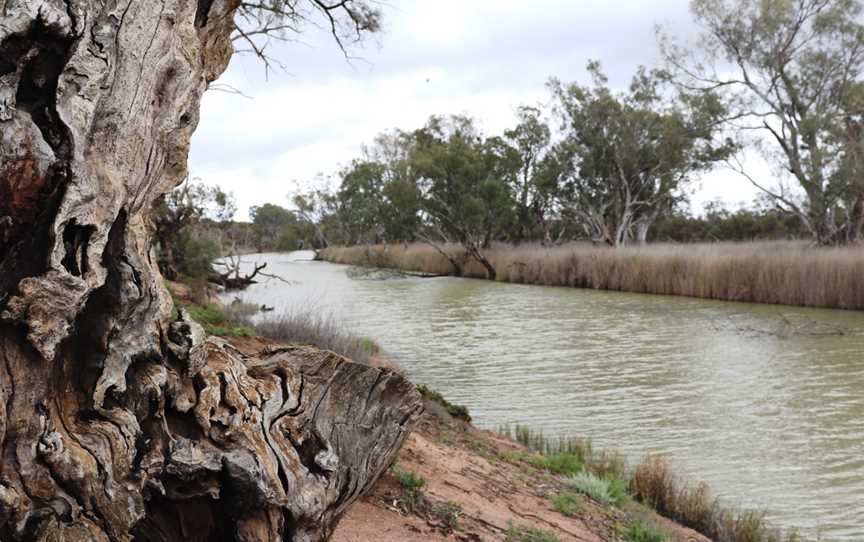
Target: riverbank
(784,273)
(452,481)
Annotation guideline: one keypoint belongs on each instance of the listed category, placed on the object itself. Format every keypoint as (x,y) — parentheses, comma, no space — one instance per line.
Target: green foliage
(605,490)
(463,197)
(216,322)
(524,533)
(760,222)
(408,480)
(639,532)
(194,254)
(287,241)
(318,328)
(654,484)
(567,503)
(626,158)
(370,346)
(274,227)
(562,463)
(457,411)
(412,500)
(512,456)
(186,240)
(790,70)
(447,513)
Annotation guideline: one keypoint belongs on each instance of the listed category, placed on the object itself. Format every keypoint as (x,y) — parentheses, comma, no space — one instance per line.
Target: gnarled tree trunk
(116,424)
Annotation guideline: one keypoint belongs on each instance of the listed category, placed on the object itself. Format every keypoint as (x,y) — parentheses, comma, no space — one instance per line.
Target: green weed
(567,503)
(448,514)
(566,464)
(606,491)
(639,532)
(457,411)
(523,533)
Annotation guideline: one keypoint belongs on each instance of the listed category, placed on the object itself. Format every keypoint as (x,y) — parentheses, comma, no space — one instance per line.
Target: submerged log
(115,422)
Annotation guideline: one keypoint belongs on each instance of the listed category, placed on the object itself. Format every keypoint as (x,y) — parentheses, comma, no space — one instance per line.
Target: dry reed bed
(787,273)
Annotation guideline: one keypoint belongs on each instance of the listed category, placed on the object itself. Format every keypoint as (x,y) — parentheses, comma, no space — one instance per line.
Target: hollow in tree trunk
(116,423)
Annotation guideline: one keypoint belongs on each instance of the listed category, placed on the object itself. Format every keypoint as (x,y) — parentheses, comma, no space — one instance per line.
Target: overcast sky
(478,57)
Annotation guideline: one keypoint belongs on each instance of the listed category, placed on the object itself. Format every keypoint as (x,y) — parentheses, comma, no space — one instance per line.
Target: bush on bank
(606,478)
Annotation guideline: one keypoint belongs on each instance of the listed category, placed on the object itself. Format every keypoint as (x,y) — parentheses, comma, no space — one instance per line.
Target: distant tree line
(779,78)
(194,225)
(616,167)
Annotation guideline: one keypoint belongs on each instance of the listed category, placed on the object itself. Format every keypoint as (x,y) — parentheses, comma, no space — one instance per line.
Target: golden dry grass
(788,273)
(694,506)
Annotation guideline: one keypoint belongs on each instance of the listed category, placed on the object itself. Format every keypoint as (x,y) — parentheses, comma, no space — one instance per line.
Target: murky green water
(764,403)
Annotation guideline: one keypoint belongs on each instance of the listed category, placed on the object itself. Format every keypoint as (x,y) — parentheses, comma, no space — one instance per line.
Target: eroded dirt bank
(468,468)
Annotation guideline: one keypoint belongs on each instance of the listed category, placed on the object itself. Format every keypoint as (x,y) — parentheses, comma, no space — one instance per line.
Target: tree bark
(115,423)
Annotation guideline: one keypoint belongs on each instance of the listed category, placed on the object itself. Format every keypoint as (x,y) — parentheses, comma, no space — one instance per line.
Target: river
(764,403)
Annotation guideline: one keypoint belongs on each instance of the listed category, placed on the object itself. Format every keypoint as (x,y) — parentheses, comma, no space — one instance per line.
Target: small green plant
(566,464)
(523,533)
(511,456)
(617,489)
(409,480)
(216,322)
(567,503)
(639,532)
(370,346)
(604,490)
(448,514)
(457,411)
(413,500)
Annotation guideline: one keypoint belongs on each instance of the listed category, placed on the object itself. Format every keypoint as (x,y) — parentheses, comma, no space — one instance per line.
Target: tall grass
(694,506)
(320,329)
(788,273)
(607,479)
(310,327)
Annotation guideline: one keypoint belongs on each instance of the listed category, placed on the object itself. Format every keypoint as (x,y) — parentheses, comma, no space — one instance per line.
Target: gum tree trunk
(116,423)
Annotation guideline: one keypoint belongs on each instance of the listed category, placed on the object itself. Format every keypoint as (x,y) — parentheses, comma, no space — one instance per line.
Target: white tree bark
(114,422)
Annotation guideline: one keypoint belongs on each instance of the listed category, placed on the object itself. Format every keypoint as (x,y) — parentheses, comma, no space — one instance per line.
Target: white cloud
(482,58)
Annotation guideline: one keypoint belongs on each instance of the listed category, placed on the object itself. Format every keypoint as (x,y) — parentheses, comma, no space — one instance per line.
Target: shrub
(320,329)
(566,464)
(524,533)
(567,503)
(448,514)
(409,480)
(600,489)
(639,532)
(194,254)
(413,500)
(216,321)
(457,411)
(654,484)
(566,455)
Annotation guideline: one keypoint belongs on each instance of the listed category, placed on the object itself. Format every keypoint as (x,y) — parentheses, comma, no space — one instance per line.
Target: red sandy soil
(468,467)
(463,465)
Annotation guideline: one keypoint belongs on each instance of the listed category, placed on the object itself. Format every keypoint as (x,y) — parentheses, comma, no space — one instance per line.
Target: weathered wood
(114,422)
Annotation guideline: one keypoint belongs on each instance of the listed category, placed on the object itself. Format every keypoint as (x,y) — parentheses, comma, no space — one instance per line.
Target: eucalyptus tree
(323,215)
(274,227)
(790,71)
(181,210)
(378,194)
(461,197)
(626,157)
(361,196)
(117,420)
(521,158)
